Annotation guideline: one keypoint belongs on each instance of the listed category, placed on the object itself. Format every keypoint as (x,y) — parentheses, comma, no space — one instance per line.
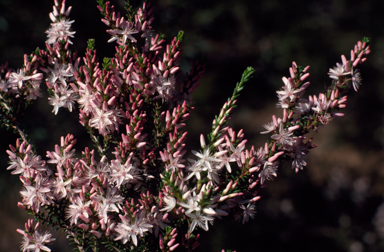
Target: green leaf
(106,63)
(180,36)
(366,40)
(91,44)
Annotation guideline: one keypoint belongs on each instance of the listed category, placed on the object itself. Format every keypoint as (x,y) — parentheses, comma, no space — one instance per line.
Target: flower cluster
(137,191)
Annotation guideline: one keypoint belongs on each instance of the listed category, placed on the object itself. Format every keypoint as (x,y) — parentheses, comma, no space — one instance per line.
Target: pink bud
(302,78)
(161,242)
(255,199)
(84,226)
(174,247)
(173,231)
(96,233)
(174,70)
(68,11)
(202,141)
(171,242)
(291,72)
(254,169)
(21,205)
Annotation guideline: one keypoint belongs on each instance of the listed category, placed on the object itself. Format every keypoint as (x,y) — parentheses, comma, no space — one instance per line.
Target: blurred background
(336,203)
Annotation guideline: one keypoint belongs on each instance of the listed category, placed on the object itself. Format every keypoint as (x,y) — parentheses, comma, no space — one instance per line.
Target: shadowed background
(330,205)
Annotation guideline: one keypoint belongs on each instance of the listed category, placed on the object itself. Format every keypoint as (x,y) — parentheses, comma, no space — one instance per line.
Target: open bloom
(17,79)
(123,34)
(283,136)
(170,202)
(248,212)
(127,231)
(356,79)
(37,243)
(337,72)
(78,209)
(269,170)
(60,31)
(200,220)
(104,120)
(59,72)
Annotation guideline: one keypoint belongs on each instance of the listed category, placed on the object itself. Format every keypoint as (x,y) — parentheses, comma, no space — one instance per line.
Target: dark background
(332,204)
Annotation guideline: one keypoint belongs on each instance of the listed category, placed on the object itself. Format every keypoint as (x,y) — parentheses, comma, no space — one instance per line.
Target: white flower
(270,126)
(60,157)
(34,90)
(192,202)
(57,102)
(61,187)
(102,120)
(60,31)
(248,211)
(206,160)
(165,87)
(268,171)
(225,160)
(195,170)
(199,220)
(123,174)
(302,108)
(76,209)
(321,103)
(63,97)
(60,72)
(174,163)
(126,231)
(37,195)
(16,79)
(283,137)
(170,202)
(288,94)
(356,79)
(337,72)
(111,202)
(38,242)
(156,219)
(236,152)
(87,96)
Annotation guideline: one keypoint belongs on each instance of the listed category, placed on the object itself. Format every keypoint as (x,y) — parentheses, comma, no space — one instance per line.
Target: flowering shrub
(137,190)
